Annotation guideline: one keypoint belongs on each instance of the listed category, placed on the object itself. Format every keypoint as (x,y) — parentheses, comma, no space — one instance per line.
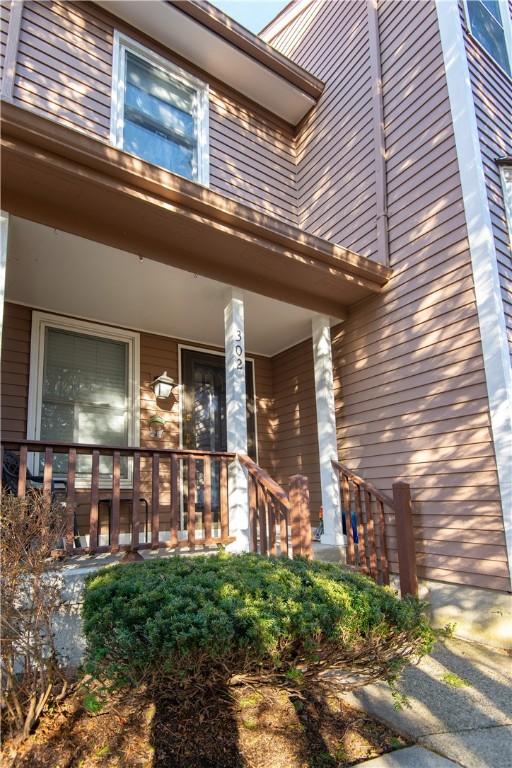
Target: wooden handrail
(265,480)
(270,505)
(106,450)
(84,495)
(363,484)
(365,522)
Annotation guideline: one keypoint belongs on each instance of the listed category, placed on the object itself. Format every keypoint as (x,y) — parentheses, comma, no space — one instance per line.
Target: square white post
(236,419)
(4,232)
(326,425)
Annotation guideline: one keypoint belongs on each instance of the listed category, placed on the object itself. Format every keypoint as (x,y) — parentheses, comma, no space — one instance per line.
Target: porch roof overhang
(211,40)
(62,178)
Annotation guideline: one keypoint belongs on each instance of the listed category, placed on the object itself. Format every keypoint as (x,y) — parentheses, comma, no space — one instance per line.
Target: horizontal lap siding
(296,440)
(5,12)
(410,391)
(15,371)
(251,159)
(335,164)
(64,65)
(492,93)
(64,72)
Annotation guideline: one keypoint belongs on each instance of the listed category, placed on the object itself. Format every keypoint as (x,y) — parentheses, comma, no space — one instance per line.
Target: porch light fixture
(162,386)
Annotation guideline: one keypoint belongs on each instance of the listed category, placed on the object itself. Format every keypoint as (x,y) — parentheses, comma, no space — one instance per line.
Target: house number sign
(239,350)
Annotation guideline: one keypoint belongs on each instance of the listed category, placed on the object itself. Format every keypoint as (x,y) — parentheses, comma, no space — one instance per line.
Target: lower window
(83,389)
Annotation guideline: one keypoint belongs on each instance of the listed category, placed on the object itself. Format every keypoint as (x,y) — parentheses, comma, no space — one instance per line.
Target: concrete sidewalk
(460,705)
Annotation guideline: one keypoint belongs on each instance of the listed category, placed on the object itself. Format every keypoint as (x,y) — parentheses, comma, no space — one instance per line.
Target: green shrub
(233,617)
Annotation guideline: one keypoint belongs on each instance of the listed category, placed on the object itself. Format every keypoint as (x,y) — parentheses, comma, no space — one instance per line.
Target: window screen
(160,122)
(487,27)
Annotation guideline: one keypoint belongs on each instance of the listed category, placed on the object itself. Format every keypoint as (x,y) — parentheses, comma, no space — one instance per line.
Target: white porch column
(326,425)
(4,229)
(236,418)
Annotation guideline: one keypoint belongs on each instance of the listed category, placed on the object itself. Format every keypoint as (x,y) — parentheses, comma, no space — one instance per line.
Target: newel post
(405,539)
(300,520)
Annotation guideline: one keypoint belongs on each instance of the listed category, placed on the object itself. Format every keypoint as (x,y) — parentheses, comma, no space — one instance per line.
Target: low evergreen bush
(228,618)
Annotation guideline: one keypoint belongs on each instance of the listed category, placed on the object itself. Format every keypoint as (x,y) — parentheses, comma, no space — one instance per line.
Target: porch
(237,452)
(137,470)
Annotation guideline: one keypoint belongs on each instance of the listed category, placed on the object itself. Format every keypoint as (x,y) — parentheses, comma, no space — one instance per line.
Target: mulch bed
(243,728)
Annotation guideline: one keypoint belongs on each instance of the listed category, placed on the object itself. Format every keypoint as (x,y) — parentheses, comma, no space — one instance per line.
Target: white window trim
(43,320)
(506,183)
(124,43)
(506,23)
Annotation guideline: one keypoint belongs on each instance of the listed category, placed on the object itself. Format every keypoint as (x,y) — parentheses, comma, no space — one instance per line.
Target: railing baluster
(371,534)
(191,501)
(155,501)
(383,547)
(136,501)
(361,547)
(48,472)
(70,502)
(93,516)
(116,502)
(271,524)
(283,531)
(224,513)
(262,516)
(207,511)
(253,514)
(175,498)
(351,556)
(22,476)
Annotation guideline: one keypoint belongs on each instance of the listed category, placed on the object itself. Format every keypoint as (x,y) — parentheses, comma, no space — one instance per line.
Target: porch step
(328,553)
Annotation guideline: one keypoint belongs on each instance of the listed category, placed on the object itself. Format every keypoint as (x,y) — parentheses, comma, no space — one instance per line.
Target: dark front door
(204,420)
(204,402)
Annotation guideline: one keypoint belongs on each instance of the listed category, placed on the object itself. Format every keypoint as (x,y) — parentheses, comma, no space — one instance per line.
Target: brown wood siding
(411,397)
(335,162)
(5,12)
(15,367)
(64,72)
(492,94)
(157,353)
(296,439)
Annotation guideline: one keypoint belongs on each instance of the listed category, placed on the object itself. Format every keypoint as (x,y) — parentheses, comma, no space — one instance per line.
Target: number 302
(239,351)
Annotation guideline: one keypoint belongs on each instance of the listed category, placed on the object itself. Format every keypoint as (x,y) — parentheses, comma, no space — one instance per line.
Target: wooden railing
(168,498)
(277,520)
(363,508)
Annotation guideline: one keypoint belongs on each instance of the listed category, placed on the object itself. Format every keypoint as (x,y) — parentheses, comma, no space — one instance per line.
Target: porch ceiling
(62,273)
(60,177)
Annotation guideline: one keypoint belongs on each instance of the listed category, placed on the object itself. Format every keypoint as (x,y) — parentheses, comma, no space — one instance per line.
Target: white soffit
(69,275)
(207,50)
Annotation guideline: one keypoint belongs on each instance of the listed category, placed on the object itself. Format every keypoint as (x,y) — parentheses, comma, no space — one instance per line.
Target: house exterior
(308,231)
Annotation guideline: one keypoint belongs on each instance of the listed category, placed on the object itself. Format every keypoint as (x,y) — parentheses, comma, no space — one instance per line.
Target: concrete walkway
(460,706)
(411,757)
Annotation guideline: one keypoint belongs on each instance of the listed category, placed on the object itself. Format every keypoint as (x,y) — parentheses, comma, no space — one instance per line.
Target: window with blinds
(160,111)
(84,394)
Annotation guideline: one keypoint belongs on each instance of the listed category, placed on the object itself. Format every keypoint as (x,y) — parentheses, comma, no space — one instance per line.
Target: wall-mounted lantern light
(156,427)
(162,386)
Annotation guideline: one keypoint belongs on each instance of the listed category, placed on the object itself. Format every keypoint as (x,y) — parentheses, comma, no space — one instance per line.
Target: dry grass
(242,729)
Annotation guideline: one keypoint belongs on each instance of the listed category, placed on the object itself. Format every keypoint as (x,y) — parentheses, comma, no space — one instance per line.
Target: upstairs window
(487,20)
(506,181)
(159,112)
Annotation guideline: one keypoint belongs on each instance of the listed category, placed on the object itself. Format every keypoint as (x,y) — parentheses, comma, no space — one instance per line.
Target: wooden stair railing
(270,506)
(363,507)
(119,479)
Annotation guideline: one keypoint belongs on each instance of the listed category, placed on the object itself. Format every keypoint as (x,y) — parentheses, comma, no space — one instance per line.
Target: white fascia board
(489,302)
(216,56)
